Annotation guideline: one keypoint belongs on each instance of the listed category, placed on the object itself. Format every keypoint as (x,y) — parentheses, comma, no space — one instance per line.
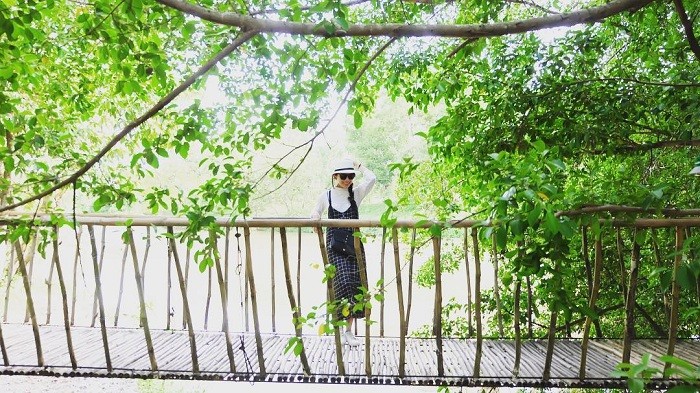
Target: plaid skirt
(346,282)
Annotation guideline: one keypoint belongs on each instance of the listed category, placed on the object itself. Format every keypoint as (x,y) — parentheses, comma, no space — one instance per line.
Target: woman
(341,202)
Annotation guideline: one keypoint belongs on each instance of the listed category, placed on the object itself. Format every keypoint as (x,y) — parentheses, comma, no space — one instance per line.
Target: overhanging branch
(588,15)
(240,40)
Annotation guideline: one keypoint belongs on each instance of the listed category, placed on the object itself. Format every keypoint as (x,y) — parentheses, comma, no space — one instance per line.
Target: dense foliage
(531,124)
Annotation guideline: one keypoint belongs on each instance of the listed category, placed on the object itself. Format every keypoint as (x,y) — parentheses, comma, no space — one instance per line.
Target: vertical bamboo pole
(10,275)
(224,297)
(585,249)
(94,295)
(185,303)
(145,257)
(30,304)
(402,315)
(121,284)
(381,278)
(437,315)
(143,318)
(675,298)
(75,273)
(272,277)
(630,302)
(470,326)
(516,326)
(98,294)
(331,301)
(168,304)
(299,269)
(477,304)
(5,358)
(227,251)
(208,304)
(660,264)
(620,258)
(586,258)
(29,262)
(409,296)
(187,277)
(49,285)
(359,257)
(516,315)
(529,306)
(64,300)
(551,332)
(292,303)
(593,298)
(227,239)
(253,299)
(496,291)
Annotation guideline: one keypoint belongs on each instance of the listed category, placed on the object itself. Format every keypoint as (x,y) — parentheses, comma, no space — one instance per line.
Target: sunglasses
(344,176)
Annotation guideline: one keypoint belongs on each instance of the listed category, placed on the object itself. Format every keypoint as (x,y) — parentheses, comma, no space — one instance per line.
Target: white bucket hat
(344,166)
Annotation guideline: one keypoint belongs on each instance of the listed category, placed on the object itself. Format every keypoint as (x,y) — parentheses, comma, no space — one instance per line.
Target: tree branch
(240,40)
(589,15)
(688,27)
(310,142)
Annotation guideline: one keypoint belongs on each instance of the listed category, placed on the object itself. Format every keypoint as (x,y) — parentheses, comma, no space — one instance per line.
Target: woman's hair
(351,198)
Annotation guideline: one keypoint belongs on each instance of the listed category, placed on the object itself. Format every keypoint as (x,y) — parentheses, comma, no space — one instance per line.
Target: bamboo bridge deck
(173,316)
(130,359)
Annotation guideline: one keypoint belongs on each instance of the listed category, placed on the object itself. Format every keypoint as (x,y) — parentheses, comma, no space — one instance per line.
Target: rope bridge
(133,298)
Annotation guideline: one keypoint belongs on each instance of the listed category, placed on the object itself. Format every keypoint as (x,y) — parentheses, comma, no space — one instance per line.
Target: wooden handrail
(473,258)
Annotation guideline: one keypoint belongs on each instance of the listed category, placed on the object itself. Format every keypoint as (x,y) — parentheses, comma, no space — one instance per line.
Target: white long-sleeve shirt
(339,195)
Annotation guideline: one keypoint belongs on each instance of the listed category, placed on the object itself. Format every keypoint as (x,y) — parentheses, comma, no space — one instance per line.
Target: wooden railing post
(675,298)
(76,259)
(143,318)
(551,333)
(496,285)
(359,257)
(272,278)
(470,327)
(402,316)
(64,298)
(630,301)
(185,302)
(437,316)
(94,298)
(477,304)
(331,304)
(516,315)
(593,297)
(381,278)
(292,302)
(253,299)
(30,304)
(121,284)
(10,275)
(100,301)
(224,297)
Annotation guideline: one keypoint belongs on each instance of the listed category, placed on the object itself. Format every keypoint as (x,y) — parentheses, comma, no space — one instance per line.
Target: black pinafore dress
(346,282)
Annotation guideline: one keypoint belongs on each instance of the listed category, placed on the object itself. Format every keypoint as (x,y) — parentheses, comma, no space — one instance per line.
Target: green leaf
(357,119)
(551,223)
